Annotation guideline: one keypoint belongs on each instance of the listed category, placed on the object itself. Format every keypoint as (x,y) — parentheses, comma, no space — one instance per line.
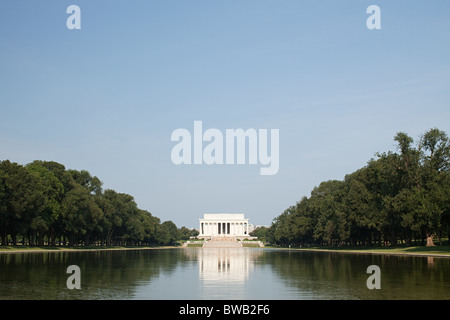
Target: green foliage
(22,200)
(261,233)
(398,197)
(43,202)
(185,234)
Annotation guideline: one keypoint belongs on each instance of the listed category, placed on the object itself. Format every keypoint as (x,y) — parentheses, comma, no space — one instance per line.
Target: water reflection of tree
(343,276)
(104,274)
(314,275)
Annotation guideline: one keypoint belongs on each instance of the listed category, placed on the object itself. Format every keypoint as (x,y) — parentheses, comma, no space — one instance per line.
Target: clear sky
(107,97)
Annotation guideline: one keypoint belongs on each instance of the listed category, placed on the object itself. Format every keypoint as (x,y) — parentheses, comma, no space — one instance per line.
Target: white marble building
(223,224)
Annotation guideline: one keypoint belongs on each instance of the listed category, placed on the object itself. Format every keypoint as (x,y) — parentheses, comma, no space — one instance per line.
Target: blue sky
(106,98)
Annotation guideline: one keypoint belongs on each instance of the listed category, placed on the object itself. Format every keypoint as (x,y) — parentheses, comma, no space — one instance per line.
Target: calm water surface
(221,273)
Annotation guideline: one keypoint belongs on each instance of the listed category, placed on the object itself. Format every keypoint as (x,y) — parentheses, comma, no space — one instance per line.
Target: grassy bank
(419,250)
(443,251)
(19,249)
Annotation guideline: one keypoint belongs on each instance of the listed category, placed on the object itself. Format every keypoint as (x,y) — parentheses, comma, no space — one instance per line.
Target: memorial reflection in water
(224,270)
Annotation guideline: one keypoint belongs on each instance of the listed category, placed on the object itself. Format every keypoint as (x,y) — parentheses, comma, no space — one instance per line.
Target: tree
(280,226)
(170,232)
(43,200)
(23,200)
(122,217)
(325,203)
(53,192)
(81,215)
(436,166)
(150,225)
(361,207)
(84,179)
(397,196)
(4,219)
(260,233)
(184,233)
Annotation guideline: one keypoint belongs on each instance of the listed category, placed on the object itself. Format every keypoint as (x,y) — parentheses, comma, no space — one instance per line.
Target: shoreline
(65,249)
(375,251)
(396,251)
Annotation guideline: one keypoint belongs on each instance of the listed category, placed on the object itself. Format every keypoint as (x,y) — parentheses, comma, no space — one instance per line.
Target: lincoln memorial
(223,224)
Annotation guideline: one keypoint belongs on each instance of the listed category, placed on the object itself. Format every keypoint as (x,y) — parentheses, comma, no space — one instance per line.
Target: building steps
(222,242)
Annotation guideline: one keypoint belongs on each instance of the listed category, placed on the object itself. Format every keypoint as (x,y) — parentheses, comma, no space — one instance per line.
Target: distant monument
(223,225)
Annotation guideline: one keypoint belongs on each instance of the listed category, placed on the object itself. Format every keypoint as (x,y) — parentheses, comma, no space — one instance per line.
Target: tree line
(400,197)
(43,203)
